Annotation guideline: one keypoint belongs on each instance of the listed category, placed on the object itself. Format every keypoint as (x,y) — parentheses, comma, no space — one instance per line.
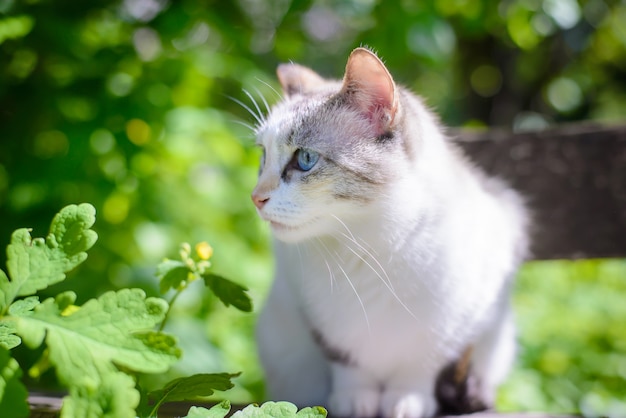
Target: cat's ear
(368,85)
(296,79)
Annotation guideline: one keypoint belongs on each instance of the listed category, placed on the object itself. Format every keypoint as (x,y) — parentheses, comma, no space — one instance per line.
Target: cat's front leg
(354,393)
(411,401)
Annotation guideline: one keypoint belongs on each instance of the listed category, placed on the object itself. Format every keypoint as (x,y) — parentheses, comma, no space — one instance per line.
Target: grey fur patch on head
(355,161)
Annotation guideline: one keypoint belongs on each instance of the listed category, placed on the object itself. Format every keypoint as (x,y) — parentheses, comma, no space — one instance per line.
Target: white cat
(394,255)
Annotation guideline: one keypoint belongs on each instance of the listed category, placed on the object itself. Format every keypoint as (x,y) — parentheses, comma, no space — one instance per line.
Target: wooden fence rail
(574,178)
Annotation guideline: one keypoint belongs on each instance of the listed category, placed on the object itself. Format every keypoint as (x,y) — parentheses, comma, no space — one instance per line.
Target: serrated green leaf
(115,327)
(86,343)
(230,293)
(217,411)
(34,264)
(13,394)
(23,306)
(193,387)
(279,410)
(171,273)
(5,292)
(65,300)
(312,412)
(114,396)
(8,339)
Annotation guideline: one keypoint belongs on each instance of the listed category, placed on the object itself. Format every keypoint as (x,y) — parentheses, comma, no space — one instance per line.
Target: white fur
(403,283)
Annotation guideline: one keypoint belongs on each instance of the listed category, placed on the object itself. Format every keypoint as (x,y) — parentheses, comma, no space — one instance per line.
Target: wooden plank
(574,179)
(45,406)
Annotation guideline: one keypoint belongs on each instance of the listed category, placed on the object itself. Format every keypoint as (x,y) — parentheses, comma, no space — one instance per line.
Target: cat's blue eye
(306,159)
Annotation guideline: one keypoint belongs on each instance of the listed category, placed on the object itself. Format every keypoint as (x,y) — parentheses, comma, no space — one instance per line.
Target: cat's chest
(362,297)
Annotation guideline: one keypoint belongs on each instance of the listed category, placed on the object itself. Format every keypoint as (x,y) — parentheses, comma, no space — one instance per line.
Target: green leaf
(228,292)
(171,274)
(112,397)
(86,344)
(8,339)
(22,306)
(34,264)
(115,327)
(279,410)
(217,411)
(193,387)
(312,412)
(6,296)
(13,394)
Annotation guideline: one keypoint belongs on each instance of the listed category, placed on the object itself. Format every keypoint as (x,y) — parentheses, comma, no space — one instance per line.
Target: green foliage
(85,344)
(174,274)
(217,411)
(228,292)
(268,409)
(34,264)
(572,323)
(280,410)
(96,348)
(12,392)
(195,387)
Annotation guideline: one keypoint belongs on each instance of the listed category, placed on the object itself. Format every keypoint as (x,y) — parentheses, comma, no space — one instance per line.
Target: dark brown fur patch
(458,390)
(332,353)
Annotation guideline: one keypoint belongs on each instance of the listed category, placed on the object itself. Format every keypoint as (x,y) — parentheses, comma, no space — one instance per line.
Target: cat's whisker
(367,252)
(387,280)
(267,106)
(388,283)
(245,106)
(338,263)
(317,242)
(245,124)
(356,293)
(280,96)
(354,238)
(256,105)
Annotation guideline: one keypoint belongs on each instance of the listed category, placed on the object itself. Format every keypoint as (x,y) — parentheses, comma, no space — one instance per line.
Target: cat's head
(330,148)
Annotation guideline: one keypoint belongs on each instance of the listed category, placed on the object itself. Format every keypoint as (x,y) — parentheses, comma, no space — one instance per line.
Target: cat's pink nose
(259,200)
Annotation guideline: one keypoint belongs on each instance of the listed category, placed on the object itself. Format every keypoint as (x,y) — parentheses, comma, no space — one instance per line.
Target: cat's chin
(292,234)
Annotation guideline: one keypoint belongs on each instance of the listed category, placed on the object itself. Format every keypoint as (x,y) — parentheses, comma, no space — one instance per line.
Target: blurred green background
(127,105)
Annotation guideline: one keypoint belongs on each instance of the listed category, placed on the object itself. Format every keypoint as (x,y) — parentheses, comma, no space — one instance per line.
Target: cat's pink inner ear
(371,88)
(296,79)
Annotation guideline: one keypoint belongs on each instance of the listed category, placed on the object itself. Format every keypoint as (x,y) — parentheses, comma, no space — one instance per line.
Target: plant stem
(155,410)
(169,309)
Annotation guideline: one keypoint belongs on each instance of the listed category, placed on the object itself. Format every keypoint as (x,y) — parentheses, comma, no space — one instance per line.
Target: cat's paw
(361,403)
(405,404)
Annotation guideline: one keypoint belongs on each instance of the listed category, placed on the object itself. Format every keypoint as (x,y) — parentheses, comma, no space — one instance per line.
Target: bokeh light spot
(147,44)
(49,144)
(486,80)
(564,94)
(138,131)
(143,164)
(120,84)
(115,208)
(101,141)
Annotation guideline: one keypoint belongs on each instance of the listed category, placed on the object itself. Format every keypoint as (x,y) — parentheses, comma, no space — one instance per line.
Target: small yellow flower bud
(204,250)
(70,309)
